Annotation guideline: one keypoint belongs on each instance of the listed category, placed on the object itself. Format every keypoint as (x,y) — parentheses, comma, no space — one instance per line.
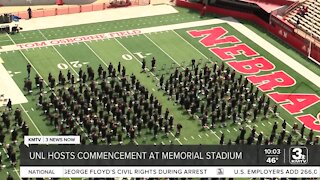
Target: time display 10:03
(270,151)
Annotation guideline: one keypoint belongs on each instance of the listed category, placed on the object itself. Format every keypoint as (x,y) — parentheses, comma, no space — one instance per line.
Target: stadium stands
(306,16)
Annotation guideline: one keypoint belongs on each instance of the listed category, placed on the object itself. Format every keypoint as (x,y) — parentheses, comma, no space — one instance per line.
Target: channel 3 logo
(298,155)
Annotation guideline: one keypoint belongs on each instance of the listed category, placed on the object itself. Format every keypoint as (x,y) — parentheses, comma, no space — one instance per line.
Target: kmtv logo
(298,155)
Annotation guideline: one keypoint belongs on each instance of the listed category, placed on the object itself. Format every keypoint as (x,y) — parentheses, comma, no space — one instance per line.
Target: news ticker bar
(172,155)
(170,171)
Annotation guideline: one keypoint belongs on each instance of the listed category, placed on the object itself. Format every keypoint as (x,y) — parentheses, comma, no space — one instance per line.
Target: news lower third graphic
(58,156)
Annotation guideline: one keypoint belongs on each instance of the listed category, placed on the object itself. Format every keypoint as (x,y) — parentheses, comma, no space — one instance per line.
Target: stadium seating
(309,22)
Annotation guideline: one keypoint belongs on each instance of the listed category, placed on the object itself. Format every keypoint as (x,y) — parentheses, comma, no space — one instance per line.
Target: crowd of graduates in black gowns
(12,126)
(218,95)
(108,106)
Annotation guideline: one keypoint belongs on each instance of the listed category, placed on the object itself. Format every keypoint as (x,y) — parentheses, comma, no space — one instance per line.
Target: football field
(173,40)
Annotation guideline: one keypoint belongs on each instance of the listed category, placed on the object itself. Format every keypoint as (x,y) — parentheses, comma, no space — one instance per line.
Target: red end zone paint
(252,66)
(294,102)
(78,39)
(268,82)
(310,121)
(213,36)
(229,53)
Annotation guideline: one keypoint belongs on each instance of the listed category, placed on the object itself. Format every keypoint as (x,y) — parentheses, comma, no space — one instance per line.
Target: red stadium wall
(226,12)
(281,29)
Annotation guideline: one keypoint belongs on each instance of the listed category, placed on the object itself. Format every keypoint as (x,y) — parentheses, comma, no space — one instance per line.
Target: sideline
(109,35)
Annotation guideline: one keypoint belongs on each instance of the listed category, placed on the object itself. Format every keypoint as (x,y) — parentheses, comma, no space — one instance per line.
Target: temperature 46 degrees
(272,159)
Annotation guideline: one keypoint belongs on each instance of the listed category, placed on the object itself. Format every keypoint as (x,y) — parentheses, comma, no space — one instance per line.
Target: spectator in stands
(298,22)
(305,9)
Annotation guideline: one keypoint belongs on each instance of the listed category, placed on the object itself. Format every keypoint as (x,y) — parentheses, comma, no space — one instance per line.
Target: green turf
(171,48)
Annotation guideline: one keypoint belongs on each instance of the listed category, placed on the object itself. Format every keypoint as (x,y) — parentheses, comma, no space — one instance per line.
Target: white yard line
(190,44)
(215,134)
(176,138)
(96,55)
(15,169)
(135,142)
(59,53)
(162,50)
(31,120)
(39,75)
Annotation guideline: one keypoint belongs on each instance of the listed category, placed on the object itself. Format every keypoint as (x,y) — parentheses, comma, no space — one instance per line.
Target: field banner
(169,161)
